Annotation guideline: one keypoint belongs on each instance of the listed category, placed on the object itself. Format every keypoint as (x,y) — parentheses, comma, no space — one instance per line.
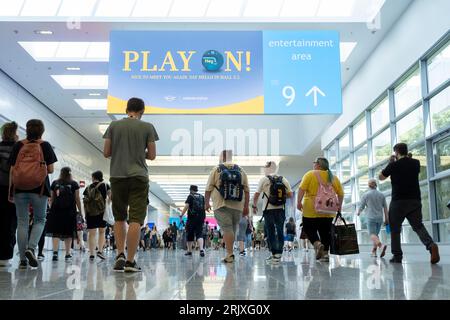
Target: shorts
(228,219)
(242,235)
(129,198)
(194,229)
(95,222)
(290,237)
(374,227)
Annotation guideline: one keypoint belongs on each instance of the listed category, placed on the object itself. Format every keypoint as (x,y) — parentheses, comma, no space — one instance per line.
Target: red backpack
(30,169)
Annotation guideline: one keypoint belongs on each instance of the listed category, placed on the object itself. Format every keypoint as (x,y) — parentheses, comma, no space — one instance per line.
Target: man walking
(195,207)
(406,202)
(275,190)
(228,187)
(374,203)
(129,142)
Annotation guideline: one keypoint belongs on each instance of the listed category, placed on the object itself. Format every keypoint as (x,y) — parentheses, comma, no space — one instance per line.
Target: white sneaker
(276,258)
(5,263)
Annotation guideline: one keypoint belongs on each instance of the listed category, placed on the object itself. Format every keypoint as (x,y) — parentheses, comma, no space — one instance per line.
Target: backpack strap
(319,178)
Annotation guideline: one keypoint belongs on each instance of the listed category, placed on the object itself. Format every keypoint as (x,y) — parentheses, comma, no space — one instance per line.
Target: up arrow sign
(315,90)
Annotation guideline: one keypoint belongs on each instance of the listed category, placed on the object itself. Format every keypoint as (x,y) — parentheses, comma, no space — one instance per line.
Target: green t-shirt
(129,140)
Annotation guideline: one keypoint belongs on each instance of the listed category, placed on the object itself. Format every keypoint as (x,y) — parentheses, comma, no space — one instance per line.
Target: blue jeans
(274,220)
(39,204)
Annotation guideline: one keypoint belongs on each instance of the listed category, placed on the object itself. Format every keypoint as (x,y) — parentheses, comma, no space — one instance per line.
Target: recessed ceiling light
(78,81)
(73,68)
(93,94)
(67,51)
(92,104)
(44,32)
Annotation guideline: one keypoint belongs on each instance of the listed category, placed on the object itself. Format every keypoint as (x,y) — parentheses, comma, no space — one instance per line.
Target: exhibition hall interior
(288,85)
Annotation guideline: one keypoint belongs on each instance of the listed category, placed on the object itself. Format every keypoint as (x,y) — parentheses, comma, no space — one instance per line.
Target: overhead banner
(226,72)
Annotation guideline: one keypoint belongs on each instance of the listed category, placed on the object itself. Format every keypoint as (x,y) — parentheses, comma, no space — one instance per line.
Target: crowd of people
(59,210)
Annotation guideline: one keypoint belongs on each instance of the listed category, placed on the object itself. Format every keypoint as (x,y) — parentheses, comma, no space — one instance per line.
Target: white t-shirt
(264,190)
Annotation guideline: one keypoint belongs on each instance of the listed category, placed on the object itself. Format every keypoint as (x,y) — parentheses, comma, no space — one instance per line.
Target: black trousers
(8,225)
(318,229)
(399,210)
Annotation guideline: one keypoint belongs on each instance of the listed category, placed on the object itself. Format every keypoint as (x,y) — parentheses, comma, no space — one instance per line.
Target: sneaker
(55,256)
(269,259)
(23,264)
(29,254)
(202,253)
(132,267)
(434,250)
(242,254)
(101,255)
(68,257)
(5,263)
(383,251)
(188,253)
(396,260)
(92,257)
(119,265)
(290,249)
(319,248)
(229,259)
(276,258)
(325,257)
(41,257)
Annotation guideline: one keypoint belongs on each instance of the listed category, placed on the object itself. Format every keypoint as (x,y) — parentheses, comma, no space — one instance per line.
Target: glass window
(385,184)
(380,115)
(362,185)
(332,154)
(409,236)
(362,159)
(381,146)
(444,232)
(344,146)
(347,192)
(442,154)
(359,132)
(439,67)
(407,93)
(410,128)
(425,203)
(443,198)
(440,110)
(345,170)
(420,154)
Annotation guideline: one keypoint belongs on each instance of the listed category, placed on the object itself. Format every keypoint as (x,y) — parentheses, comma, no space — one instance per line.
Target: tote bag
(344,239)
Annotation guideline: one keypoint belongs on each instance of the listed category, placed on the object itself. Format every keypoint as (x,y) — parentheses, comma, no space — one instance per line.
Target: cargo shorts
(228,219)
(130,198)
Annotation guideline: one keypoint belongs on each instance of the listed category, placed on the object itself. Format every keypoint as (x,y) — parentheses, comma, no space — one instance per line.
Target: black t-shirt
(73,185)
(191,214)
(103,189)
(174,230)
(404,175)
(49,158)
(290,228)
(5,153)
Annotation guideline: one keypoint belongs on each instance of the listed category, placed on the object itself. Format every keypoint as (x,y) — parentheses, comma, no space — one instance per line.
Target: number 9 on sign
(289,94)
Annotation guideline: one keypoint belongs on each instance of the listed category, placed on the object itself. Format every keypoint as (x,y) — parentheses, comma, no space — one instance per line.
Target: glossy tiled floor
(171,275)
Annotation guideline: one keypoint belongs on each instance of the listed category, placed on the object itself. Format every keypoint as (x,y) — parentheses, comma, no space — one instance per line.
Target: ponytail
(330,176)
(324,165)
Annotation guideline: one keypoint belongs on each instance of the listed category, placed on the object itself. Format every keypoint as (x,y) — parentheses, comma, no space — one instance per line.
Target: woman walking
(317,225)
(62,222)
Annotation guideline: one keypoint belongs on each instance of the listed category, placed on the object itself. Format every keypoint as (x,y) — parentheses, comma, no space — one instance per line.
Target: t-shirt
(214,183)
(404,175)
(264,189)
(49,158)
(72,185)
(373,201)
(129,140)
(310,185)
(103,189)
(174,230)
(190,202)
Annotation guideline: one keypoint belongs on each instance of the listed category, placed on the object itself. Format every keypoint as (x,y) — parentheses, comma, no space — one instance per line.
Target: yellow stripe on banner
(252,106)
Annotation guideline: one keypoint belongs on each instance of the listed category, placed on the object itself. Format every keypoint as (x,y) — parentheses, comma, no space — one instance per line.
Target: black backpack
(198,205)
(5,152)
(64,196)
(231,187)
(278,193)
